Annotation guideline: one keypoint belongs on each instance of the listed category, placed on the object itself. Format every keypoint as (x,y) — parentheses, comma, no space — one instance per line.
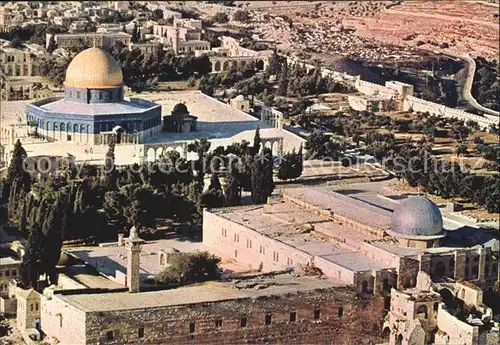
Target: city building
(101,40)
(5,19)
(20,63)
(230,54)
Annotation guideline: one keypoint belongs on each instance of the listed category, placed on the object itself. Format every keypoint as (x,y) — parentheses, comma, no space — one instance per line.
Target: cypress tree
(16,166)
(31,266)
(256,141)
(111,175)
(262,177)
(232,189)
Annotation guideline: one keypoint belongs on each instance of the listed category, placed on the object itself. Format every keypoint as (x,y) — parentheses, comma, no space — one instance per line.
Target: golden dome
(94,68)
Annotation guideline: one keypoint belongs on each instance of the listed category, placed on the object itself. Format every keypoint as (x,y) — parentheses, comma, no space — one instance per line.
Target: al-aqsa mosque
(94,110)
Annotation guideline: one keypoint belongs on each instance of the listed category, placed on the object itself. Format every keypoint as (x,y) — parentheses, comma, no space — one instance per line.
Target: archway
(422,312)
(386,333)
(268,145)
(364,286)
(225,66)
(180,150)
(243,63)
(276,148)
(399,340)
(439,269)
(159,152)
(217,66)
(151,155)
(385,284)
(260,65)
(234,64)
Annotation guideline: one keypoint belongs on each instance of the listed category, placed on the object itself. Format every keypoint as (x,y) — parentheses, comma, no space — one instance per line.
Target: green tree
(16,170)
(52,44)
(110,173)
(262,177)
(188,268)
(232,190)
(220,17)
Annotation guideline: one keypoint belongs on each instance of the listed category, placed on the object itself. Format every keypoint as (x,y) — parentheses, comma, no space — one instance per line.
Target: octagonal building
(93,110)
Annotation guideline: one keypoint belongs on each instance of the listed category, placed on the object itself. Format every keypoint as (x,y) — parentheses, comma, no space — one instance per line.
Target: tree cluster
(188,268)
(296,80)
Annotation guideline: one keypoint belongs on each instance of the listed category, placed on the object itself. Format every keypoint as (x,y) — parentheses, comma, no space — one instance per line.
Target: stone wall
(249,247)
(61,320)
(417,104)
(318,315)
(454,331)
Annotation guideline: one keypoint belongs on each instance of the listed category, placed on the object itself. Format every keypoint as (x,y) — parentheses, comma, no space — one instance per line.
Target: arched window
(422,312)
(364,286)
(385,284)
(439,269)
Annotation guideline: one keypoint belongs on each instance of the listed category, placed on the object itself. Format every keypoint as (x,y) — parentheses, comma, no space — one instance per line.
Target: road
(467,87)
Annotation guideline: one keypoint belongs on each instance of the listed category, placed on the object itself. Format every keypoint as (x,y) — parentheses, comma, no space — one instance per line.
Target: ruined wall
(454,331)
(222,322)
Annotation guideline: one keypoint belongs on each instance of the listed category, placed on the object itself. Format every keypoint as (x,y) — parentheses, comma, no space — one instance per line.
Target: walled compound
(381,247)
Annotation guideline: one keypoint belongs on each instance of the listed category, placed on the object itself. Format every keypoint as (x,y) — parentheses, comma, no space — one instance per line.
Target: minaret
(133,260)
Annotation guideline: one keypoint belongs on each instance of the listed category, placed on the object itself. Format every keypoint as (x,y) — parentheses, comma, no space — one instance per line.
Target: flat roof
(124,107)
(109,259)
(199,293)
(8,261)
(343,205)
(355,261)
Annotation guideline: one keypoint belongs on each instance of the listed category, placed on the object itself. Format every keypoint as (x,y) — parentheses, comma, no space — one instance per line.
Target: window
(340,312)
(101,96)
(36,307)
(249,243)
(243,321)
(141,332)
(192,327)
(293,316)
(110,335)
(317,314)
(1,274)
(262,250)
(218,323)
(78,95)
(275,256)
(7,273)
(235,253)
(224,232)
(69,137)
(268,319)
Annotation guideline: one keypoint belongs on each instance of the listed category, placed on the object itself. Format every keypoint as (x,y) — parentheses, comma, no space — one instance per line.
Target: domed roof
(94,68)
(180,108)
(417,216)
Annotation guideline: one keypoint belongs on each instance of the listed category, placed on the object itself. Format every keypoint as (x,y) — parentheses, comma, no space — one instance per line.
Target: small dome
(417,216)
(240,98)
(93,68)
(180,108)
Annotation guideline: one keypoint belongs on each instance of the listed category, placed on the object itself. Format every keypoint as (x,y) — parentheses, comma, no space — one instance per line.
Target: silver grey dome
(417,216)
